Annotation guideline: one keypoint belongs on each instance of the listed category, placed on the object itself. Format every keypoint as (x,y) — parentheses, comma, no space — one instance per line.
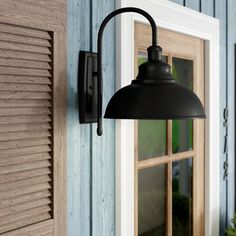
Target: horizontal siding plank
(12,54)
(24,103)
(25,190)
(23,151)
(24,111)
(24,95)
(24,127)
(24,47)
(24,87)
(23,167)
(24,39)
(38,228)
(24,175)
(24,63)
(23,207)
(24,135)
(4,70)
(8,28)
(24,183)
(23,143)
(24,79)
(24,198)
(24,119)
(27,221)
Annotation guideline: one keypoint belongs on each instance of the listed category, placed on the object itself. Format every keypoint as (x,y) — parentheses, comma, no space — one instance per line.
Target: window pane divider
(165,159)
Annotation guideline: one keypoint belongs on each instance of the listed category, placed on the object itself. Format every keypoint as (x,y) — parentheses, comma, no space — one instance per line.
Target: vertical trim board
(103,148)
(78,141)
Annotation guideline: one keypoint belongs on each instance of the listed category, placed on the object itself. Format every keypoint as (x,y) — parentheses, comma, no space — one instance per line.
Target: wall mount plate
(87,87)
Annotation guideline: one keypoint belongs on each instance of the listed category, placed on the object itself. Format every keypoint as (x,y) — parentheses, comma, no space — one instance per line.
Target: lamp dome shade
(154,95)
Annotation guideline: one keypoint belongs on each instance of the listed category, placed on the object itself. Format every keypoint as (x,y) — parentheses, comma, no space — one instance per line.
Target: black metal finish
(99,46)
(87,87)
(153,95)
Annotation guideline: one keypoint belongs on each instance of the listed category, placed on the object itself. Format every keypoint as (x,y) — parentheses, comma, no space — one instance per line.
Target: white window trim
(180,19)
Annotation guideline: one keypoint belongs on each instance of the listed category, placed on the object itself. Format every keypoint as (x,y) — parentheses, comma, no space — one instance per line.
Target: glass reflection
(151,133)
(152,201)
(182,130)
(182,197)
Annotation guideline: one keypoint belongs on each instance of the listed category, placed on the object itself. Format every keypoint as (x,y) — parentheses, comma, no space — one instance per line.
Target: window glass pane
(152,194)
(182,197)
(151,138)
(182,70)
(151,133)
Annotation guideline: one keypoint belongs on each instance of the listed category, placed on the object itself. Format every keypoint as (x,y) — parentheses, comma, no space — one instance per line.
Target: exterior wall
(91,159)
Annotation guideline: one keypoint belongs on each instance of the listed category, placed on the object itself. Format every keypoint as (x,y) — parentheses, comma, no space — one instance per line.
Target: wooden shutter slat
(25,182)
(24,222)
(23,143)
(24,103)
(24,198)
(24,87)
(25,190)
(30,56)
(24,214)
(24,158)
(33,230)
(24,127)
(24,151)
(8,28)
(24,119)
(24,135)
(6,70)
(25,166)
(24,111)
(24,95)
(24,39)
(24,79)
(26,147)
(24,47)
(23,175)
(23,207)
(24,63)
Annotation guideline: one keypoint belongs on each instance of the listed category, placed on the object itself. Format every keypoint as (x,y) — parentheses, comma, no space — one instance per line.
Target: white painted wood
(186,21)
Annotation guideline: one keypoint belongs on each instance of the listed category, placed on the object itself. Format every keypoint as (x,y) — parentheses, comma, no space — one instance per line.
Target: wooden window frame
(189,22)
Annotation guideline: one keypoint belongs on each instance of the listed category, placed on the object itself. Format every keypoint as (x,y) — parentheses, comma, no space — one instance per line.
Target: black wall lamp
(153,95)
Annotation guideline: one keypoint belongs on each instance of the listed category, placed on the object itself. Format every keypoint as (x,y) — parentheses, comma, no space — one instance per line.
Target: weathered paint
(91,159)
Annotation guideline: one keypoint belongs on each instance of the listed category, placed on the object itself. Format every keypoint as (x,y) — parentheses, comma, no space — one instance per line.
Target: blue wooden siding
(91,159)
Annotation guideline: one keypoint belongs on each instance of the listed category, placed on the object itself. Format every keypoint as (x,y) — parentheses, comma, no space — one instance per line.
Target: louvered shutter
(31,130)
(25,126)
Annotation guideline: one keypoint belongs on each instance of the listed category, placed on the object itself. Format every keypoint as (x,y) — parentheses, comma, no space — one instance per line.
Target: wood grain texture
(193,4)
(220,12)
(207,7)
(32,117)
(231,40)
(79,145)
(79,140)
(103,148)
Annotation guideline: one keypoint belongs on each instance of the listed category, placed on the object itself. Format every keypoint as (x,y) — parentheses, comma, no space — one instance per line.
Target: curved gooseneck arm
(99,47)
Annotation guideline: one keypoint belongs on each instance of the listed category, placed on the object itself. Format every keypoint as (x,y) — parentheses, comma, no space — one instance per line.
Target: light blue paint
(195,5)
(91,159)
(103,152)
(78,154)
(231,93)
